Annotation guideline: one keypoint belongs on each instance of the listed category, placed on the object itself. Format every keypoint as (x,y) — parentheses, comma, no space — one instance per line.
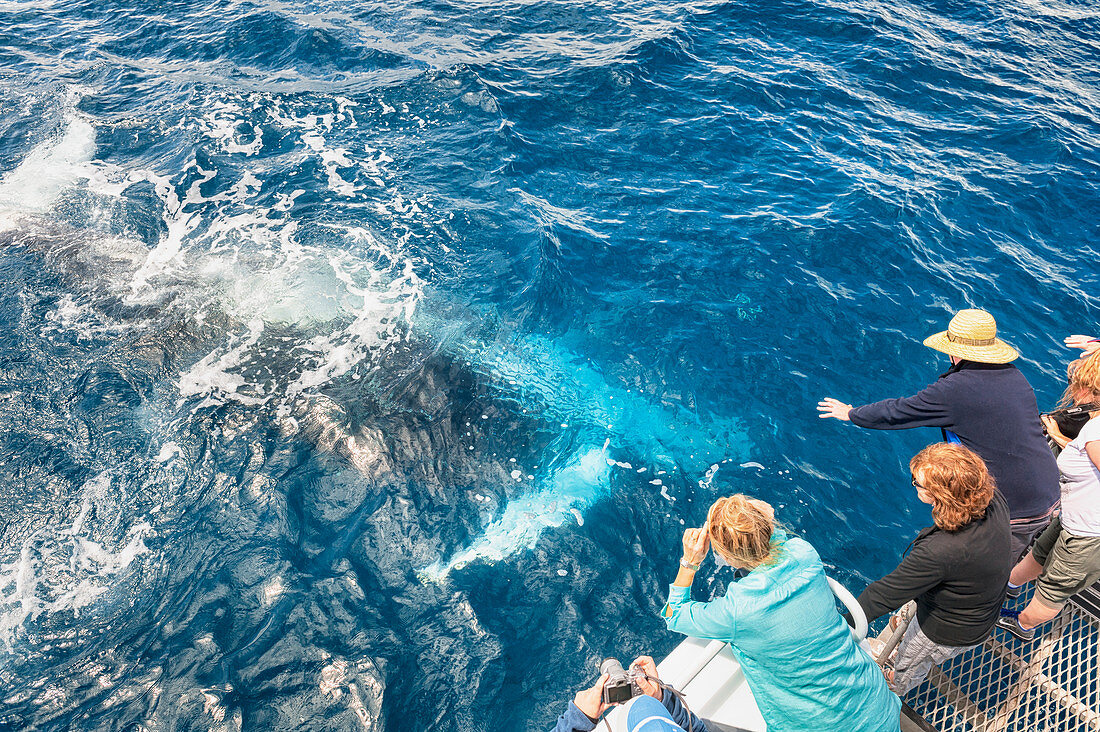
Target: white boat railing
(679,679)
(859,618)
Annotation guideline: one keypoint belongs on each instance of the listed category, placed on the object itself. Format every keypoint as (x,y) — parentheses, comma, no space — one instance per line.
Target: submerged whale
(286,444)
(294,329)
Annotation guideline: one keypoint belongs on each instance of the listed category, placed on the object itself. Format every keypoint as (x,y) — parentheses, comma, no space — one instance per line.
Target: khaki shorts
(1070,563)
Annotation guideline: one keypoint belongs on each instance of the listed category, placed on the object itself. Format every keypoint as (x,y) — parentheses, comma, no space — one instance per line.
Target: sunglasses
(916,484)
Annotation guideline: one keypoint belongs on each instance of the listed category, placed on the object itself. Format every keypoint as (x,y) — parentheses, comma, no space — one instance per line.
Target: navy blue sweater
(992,409)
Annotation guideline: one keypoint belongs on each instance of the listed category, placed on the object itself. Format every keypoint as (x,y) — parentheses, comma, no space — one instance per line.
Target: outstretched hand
(1085,343)
(834,408)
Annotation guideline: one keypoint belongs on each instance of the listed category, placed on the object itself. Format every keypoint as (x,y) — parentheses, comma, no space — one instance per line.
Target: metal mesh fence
(1050,684)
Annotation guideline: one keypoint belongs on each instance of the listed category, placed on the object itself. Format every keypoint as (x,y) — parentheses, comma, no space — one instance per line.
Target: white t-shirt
(1080,484)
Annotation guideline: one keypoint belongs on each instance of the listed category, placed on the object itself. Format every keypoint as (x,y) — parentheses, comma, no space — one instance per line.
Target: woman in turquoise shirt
(799,658)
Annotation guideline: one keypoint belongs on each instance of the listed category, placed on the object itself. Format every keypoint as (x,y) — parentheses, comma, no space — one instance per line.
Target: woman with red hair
(955,569)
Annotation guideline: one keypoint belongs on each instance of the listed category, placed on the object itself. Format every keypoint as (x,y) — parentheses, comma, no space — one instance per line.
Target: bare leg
(1036,613)
(1026,570)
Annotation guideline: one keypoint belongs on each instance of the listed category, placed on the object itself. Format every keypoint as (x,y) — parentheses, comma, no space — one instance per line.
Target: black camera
(621,684)
(1071,419)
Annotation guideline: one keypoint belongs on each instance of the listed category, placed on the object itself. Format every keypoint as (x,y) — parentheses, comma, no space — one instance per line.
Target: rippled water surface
(362,363)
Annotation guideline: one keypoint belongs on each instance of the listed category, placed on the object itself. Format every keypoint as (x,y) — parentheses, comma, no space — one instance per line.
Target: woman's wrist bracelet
(688,565)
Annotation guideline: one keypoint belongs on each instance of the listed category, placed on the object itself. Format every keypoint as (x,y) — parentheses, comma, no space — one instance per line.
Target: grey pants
(917,653)
(1024,531)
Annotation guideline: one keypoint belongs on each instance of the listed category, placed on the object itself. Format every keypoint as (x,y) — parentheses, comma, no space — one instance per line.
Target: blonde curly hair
(741,530)
(1084,378)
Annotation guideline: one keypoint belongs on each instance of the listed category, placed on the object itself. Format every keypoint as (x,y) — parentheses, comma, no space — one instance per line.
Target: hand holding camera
(591,701)
(1053,430)
(617,685)
(622,685)
(648,680)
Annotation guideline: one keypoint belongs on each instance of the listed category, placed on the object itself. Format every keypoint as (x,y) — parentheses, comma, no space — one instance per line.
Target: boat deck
(1051,683)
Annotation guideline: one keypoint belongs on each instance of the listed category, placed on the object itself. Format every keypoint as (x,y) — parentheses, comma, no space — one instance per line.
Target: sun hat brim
(996,352)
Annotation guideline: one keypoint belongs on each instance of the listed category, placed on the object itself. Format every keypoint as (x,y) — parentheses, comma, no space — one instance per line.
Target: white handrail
(859,632)
(705,656)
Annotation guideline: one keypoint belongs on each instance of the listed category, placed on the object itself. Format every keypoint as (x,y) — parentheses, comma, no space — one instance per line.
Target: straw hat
(972,335)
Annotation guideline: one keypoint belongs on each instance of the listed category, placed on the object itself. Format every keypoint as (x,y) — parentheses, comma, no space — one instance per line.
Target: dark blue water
(362,363)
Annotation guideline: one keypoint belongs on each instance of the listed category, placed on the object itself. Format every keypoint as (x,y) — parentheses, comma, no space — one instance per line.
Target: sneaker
(1010,621)
(1011,593)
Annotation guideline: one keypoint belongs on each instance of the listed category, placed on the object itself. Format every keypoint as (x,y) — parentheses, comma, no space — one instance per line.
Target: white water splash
(66,570)
(564,493)
(708,478)
(167,451)
(212,377)
(50,168)
(243,260)
(229,252)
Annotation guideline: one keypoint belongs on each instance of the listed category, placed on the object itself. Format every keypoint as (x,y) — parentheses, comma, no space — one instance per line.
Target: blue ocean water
(362,363)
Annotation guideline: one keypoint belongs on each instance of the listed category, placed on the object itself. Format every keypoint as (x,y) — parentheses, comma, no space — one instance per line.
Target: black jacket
(992,409)
(958,579)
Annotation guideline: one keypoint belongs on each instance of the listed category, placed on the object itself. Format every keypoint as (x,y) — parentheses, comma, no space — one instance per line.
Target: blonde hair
(741,529)
(1084,376)
(957,481)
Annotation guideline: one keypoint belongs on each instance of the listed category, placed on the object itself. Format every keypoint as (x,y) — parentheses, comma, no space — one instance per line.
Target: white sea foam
(213,378)
(383,304)
(246,260)
(222,123)
(708,478)
(85,321)
(65,570)
(249,264)
(228,249)
(179,223)
(563,493)
(167,451)
(259,271)
(50,168)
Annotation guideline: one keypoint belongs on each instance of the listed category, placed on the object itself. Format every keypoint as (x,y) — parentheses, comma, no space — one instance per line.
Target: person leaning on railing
(1066,556)
(805,670)
(955,570)
(985,403)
